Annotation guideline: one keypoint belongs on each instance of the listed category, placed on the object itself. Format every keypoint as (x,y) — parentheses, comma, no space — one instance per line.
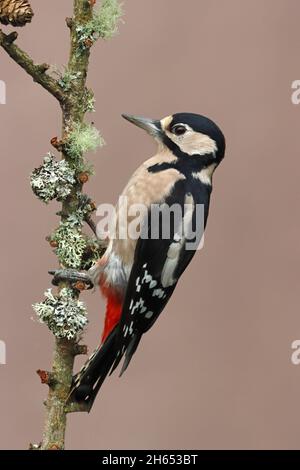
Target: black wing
(157,266)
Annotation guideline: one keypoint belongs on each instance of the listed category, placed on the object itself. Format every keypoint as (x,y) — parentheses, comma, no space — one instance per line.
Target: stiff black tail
(87,383)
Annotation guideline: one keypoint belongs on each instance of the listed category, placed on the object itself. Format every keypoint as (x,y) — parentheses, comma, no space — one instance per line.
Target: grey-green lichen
(71,246)
(83,138)
(64,315)
(106,19)
(52,180)
(104,23)
(70,242)
(66,78)
(93,252)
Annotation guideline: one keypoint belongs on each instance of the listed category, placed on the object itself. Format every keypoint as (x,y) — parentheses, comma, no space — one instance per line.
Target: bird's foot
(77,279)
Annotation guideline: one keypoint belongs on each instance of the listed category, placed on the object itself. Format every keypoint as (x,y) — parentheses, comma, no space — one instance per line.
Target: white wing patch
(167,275)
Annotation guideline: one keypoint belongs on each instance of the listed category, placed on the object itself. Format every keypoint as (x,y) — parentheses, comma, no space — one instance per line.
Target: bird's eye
(179,130)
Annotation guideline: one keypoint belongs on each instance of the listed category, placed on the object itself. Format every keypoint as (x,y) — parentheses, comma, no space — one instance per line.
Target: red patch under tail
(113,311)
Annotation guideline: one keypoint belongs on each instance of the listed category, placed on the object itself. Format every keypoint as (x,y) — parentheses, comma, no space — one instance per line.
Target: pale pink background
(215,371)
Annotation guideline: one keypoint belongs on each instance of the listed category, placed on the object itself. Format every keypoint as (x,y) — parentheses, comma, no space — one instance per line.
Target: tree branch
(65,351)
(75,100)
(37,72)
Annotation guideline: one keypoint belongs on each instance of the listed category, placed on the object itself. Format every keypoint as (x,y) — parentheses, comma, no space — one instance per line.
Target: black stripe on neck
(186,165)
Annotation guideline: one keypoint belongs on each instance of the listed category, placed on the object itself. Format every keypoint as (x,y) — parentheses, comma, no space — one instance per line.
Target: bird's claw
(78,280)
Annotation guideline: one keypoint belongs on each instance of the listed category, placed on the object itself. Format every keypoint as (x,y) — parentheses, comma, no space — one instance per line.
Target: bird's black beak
(153,127)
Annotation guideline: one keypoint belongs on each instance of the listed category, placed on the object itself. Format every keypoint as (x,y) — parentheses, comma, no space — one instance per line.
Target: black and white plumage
(139,276)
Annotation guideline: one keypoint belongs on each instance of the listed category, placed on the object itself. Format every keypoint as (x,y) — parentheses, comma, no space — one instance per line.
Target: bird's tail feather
(86,384)
(129,352)
(104,360)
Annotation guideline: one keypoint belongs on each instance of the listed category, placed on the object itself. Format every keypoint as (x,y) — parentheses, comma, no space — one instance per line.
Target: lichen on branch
(64,315)
(66,78)
(104,23)
(82,139)
(73,248)
(52,180)
(71,244)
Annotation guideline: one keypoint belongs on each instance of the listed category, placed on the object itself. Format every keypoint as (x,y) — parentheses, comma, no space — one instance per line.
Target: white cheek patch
(194,143)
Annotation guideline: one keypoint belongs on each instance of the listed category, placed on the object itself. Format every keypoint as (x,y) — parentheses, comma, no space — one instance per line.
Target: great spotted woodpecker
(138,276)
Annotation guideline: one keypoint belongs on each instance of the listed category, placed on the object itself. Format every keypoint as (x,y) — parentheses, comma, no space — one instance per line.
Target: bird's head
(186,135)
